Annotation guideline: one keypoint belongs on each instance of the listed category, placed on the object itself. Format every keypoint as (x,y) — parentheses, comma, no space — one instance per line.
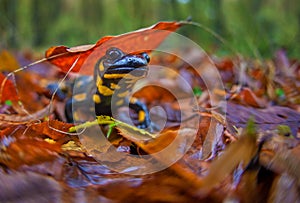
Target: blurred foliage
(252,27)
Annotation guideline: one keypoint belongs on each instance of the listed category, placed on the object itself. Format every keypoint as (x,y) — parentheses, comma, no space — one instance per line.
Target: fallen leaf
(8,62)
(52,129)
(29,187)
(8,90)
(28,151)
(247,97)
(241,151)
(265,118)
(143,40)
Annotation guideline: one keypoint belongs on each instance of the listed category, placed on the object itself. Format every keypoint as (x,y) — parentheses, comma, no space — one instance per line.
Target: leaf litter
(249,155)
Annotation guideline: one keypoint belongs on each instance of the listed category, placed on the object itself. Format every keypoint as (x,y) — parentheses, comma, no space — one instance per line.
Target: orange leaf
(143,40)
(7,61)
(26,146)
(44,128)
(29,151)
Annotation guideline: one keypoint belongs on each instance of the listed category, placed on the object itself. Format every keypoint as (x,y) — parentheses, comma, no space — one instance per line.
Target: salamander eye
(146,56)
(114,53)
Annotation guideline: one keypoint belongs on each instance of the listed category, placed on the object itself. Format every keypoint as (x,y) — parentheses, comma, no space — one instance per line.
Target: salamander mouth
(135,71)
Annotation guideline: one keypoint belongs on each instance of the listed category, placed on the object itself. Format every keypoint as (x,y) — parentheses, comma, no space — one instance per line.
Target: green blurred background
(252,27)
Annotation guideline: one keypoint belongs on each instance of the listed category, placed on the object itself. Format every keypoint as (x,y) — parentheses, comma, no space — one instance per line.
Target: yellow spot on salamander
(101,66)
(99,81)
(123,94)
(105,90)
(96,99)
(114,86)
(80,97)
(76,116)
(120,102)
(142,116)
(114,76)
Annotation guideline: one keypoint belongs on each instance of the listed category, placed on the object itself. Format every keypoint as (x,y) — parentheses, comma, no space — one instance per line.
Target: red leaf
(141,40)
(8,90)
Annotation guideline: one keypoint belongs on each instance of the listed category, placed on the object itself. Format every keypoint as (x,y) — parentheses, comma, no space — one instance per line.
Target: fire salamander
(114,76)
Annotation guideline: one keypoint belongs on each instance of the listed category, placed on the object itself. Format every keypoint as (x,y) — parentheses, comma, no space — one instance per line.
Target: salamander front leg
(68,111)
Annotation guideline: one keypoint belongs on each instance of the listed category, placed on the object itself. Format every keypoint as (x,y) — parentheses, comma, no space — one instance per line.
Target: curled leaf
(140,40)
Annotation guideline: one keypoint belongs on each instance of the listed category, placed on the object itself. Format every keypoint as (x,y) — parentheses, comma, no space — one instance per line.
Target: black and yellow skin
(114,76)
